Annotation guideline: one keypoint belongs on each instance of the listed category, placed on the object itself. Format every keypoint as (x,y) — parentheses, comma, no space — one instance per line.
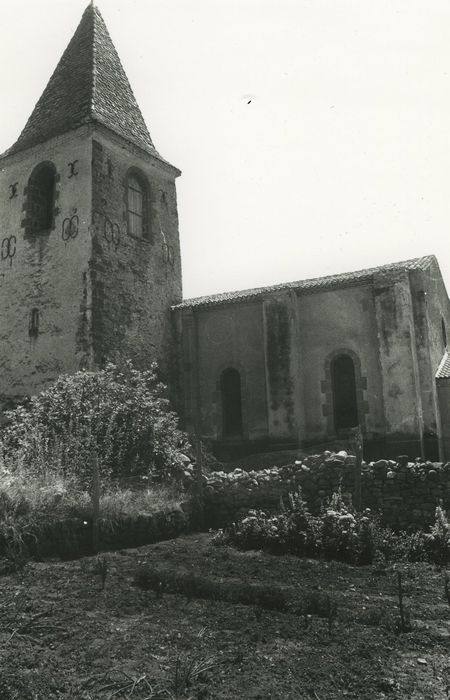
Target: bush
(346,535)
(119,414)
(400,546)
(337,533)
(294,530)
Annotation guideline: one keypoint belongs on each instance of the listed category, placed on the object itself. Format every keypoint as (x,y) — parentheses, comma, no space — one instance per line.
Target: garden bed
(62,636)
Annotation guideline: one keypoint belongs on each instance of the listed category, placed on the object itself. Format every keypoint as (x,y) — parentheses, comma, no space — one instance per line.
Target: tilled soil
(62,636)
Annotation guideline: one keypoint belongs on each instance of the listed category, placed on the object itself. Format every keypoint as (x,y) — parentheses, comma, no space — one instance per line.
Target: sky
(313,136)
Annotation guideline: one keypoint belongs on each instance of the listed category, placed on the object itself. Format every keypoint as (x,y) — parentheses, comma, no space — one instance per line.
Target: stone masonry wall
(405,494)
(45,273)
(135,280)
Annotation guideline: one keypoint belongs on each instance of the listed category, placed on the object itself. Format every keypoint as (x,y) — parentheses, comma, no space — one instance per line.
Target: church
(90,271)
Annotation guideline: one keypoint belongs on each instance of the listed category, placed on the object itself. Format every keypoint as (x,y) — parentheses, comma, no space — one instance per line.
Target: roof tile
(89,84)
(443,371)
(344,279)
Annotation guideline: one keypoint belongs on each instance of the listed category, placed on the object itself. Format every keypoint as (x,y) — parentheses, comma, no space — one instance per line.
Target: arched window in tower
(41,199)
(444,333)
(137,205)
(345,406)
(230,388)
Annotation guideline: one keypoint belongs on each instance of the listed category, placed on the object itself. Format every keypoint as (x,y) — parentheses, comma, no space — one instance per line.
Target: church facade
(304,362)
(90,270)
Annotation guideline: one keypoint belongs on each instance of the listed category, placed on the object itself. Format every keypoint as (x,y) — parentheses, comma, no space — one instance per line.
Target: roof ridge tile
(340,279)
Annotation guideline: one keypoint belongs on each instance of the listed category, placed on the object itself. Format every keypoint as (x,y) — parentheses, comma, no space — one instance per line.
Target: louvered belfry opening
(345,403)
(230,386)
(40,199)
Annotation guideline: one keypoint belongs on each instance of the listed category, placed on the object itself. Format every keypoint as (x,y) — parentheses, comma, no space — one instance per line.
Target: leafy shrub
(119,414)
(294,530)
(400,546)
(437,542)
(416,546)
(346,535)
(337,533)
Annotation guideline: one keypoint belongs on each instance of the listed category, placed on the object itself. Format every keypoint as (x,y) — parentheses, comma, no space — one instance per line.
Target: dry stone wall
(404,493)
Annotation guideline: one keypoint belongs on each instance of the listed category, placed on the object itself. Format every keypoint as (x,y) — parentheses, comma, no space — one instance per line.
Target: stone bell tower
(90,255)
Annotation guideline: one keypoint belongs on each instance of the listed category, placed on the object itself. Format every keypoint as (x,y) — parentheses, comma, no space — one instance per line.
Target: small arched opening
(345,404)
(230,387)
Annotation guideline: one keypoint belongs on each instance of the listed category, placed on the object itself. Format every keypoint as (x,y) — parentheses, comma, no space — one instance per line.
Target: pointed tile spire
(88,85)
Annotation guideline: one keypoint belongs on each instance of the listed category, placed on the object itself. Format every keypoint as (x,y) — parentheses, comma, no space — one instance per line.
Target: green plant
(38,509)
(119,412)
(186,672)
(293,530)
(337,533)
(438,540)
(182,676)
(400,546)
(345,534)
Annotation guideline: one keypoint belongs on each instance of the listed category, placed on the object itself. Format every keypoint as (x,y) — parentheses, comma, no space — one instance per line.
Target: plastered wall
(212,341)
(47,272)
(431,312)
(283,344)
(340,320)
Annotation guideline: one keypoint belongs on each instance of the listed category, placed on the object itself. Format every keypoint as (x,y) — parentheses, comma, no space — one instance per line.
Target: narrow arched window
(137,205)
(444,333)
(33,324)
(345,405)
(230,387)
(41,199)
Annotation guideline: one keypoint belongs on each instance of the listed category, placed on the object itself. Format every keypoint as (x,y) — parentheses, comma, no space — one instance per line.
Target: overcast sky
(313,135)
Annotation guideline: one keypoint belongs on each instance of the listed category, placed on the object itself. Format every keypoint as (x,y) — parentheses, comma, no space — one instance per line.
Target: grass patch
(43,506)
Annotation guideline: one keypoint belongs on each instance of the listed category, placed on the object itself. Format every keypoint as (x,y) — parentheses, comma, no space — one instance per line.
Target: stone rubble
(405,493)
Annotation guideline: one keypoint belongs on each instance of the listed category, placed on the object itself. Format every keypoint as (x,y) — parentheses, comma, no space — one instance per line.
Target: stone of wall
(135,280)
(404,493)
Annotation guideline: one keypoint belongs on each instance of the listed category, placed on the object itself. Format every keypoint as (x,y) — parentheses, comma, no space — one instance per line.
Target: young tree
(119,413)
